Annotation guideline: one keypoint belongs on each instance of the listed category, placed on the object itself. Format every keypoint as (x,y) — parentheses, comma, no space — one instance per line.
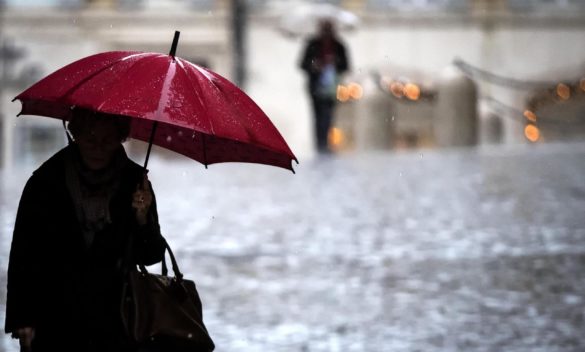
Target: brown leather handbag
(162,312)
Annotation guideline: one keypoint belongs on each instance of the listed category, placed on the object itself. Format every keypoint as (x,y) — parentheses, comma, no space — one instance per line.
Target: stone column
(493,129)
(374,127)
(3,141)
(455,120)
(7,134)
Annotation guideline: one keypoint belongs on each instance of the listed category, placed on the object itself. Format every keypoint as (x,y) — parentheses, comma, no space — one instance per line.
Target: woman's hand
(25,336)
(142,200)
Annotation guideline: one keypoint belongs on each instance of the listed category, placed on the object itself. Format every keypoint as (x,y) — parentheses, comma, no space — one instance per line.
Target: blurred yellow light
(412,91)
(563,91)
(532,133)
(397,89)
(582,84)
(530,116)
(336,137)
(355,91)
(342,93)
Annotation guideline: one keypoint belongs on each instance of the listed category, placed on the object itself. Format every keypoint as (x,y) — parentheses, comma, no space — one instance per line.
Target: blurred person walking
(324,60)
(69,245)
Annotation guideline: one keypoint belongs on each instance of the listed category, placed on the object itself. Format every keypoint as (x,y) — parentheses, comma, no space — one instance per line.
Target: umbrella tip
(175,44)
(291,168)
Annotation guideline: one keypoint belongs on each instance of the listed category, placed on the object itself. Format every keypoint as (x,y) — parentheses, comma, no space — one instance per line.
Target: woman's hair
(83,120)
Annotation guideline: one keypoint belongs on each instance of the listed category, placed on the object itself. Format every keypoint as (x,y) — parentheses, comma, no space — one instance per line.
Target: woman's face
(98,144)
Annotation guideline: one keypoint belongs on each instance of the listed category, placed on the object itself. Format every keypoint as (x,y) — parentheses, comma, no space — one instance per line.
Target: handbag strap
(164,268)
(175,265)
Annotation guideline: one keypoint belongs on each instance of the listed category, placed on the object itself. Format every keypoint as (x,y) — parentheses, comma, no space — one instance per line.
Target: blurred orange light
(582,84)
(563,91)
(336,137)
(397,89)
(412,91)
(530,116)
(342,93)
(355,91)
(532,133)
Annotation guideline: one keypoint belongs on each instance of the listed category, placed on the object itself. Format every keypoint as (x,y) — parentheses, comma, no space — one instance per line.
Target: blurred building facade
(425,73)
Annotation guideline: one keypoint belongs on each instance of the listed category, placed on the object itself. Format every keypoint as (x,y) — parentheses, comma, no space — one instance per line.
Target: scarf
(92,190)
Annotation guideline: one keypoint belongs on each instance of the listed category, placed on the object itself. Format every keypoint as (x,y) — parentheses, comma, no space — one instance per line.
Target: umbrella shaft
(151,139)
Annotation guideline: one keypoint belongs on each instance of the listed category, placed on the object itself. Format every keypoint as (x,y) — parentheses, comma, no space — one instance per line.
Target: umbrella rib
(164,93)
(204,146)
(194,90)
(217,88)
(84,80)
(127,70)
(235,111)
(211,77)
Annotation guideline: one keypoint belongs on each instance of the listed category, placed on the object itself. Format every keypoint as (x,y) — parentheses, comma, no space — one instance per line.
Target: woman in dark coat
(70,238)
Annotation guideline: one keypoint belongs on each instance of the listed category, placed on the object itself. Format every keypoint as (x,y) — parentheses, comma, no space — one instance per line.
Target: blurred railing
(546,5)
(405,5)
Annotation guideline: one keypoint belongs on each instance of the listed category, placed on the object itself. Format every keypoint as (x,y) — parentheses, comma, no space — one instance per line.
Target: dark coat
(69,292)
(312,52)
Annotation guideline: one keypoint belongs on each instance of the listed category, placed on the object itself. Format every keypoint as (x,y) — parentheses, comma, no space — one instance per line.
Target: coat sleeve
(150,246)
(309,54)
(23,265)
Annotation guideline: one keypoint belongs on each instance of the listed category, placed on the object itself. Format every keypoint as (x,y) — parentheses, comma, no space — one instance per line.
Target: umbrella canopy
(304,18)
(198,113)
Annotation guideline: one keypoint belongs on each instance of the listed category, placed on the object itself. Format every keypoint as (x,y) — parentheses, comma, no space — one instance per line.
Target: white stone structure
(455,118)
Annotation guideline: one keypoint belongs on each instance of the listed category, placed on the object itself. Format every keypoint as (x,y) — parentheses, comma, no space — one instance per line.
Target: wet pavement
(459,250)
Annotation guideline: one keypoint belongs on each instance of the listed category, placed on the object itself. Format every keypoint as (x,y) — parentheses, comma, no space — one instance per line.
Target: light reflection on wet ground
(463,250)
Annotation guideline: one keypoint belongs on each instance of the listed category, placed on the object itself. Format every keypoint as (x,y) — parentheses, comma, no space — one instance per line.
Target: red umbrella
(173,103)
